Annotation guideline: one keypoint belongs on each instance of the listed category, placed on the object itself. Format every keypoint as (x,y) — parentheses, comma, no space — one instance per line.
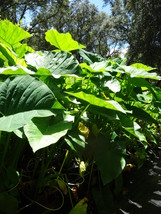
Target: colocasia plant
(69,126)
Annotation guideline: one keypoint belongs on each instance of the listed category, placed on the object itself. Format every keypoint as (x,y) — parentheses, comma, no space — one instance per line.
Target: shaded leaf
(109,158)
(133,128)
(11,56)
(90,57)
(42,132)
(21,99)
(80,207)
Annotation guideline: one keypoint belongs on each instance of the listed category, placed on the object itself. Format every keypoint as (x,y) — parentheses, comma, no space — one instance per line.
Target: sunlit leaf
(63,41)
(48,63)
(11,56)
(142,66)
(11,34)
(93,100)
(113,85)
(140,73)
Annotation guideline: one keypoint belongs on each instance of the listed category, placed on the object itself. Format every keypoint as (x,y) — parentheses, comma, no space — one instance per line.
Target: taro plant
(66,123)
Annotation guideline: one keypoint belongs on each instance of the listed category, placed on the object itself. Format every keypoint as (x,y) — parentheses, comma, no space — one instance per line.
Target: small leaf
(62,185)
(83,129)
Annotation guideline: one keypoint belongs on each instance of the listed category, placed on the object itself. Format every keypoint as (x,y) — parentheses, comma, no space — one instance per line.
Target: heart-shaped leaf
(21,99)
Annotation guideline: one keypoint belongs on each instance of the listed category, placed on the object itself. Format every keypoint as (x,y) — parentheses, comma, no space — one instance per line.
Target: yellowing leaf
(83,129)
(62,186)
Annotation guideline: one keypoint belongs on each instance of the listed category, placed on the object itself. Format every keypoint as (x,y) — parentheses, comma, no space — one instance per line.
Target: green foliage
(62,41)
(138,24)
(96,111)
(52,63)
(11,34)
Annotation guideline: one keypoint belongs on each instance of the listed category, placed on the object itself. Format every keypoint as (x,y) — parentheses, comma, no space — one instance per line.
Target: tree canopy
(83,20)
(139,23)
(135,23)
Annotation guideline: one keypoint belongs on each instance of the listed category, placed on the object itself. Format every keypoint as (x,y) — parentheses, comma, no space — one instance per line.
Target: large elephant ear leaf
(57,63)
(21,99)
(42,132)
(11,34)
(63,41)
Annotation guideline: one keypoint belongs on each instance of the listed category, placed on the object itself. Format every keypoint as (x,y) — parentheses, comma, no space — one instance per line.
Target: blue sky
(99,5)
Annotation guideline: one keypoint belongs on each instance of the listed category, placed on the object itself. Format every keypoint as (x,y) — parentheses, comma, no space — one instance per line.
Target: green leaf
(11,34)
(11,56)
(77,143)
(133,128)
(21,99)
(15,70)
(56,63)
(13,122)
(5,200)
(80,207)
(142,66)
(140,73)
(109,158)
(141,114)
(21,49)
(90,57)
(95,67)
(93,100)
(113,85)
(63,41)
(46,131)
(103,199)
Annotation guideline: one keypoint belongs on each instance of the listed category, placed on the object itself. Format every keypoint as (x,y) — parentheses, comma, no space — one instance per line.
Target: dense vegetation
(82,19)
(134,23)
(69,128)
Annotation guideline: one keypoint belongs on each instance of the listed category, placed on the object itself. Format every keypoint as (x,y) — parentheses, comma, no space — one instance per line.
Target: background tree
(139,23)
(96,30)
(15,10)
(87,25)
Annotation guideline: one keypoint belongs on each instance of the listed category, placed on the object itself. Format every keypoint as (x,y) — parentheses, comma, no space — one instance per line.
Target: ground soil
(142,192)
